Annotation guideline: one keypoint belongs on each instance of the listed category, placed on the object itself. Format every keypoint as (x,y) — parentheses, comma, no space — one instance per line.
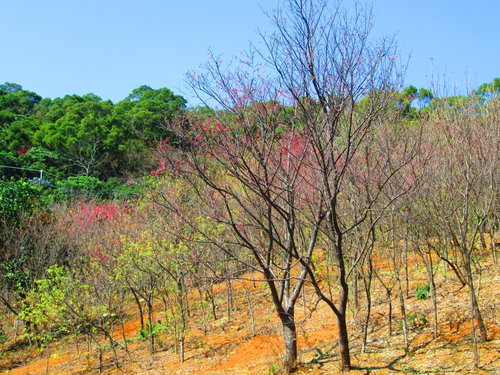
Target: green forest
(329,184)
(83,136)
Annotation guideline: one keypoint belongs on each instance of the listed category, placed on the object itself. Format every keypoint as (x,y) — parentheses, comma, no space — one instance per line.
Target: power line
(25,169)
(40,180)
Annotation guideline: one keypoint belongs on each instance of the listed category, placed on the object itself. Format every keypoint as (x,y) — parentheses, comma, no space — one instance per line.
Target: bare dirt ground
(230,347)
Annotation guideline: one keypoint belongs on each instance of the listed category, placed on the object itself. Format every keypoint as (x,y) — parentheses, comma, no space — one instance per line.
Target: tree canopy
(84,135)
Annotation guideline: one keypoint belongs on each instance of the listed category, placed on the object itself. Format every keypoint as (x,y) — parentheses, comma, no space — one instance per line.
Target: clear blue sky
(110,47)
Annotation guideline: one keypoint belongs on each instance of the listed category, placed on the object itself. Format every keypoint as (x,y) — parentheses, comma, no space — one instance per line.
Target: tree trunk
(430,276)
(426,255)
(139,307)
(389,301)
(150,326)
(405,262)
(493,245)
(396,267)
(345,357)
(367,284)
(475,311)
(47,358)
(355,291)
(403,317)
(248,298)
(434,306)
(229,297)
(124,336)
(184,308)
(290,337)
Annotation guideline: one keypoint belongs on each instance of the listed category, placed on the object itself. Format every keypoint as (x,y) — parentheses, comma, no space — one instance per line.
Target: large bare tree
(323,53)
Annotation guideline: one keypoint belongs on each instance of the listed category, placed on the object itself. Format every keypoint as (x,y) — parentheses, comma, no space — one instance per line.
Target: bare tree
(319,52)
(461,195)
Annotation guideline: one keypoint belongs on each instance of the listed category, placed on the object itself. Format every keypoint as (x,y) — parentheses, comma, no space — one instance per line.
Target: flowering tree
(249,172)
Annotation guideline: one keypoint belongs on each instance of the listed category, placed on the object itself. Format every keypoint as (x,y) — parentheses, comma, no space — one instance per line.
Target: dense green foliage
(82,135)
(17,197)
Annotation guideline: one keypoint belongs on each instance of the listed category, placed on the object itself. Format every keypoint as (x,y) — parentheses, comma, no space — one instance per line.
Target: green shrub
(17,197)
(150,330)
(422,291)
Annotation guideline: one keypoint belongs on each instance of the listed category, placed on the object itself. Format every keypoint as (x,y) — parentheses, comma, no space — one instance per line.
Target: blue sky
(110,47)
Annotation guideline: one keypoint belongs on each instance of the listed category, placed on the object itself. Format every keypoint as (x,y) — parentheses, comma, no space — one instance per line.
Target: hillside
(312,216)
(222,346)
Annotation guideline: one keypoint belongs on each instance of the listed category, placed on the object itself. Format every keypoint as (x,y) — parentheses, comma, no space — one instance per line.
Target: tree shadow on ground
(323,358)
(389,366)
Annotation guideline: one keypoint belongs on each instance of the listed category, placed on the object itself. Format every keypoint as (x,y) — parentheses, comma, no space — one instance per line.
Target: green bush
(17,197)
(422,291)
(150,330)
